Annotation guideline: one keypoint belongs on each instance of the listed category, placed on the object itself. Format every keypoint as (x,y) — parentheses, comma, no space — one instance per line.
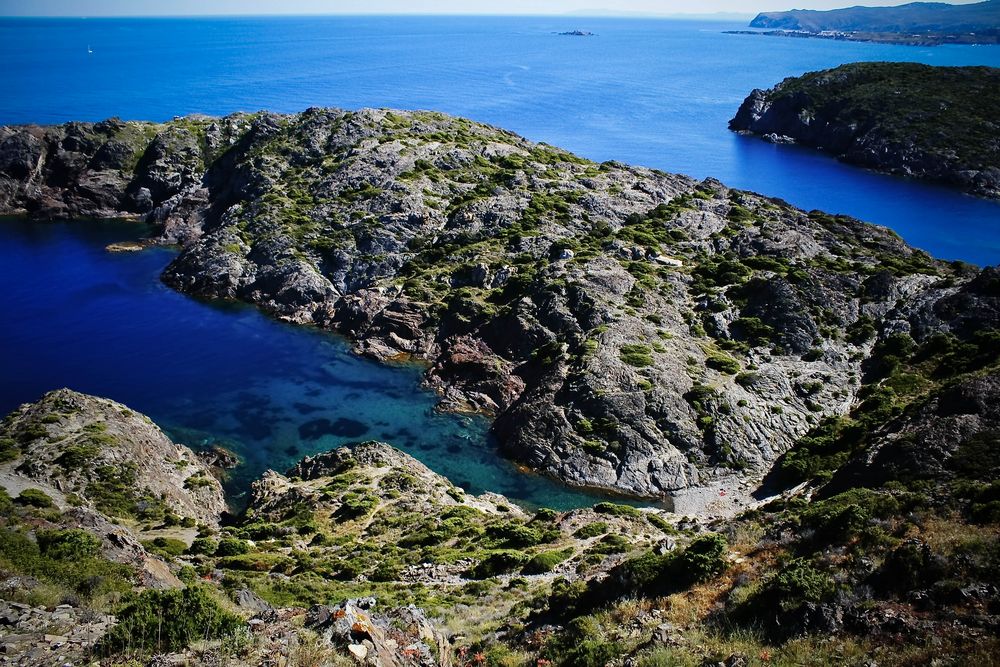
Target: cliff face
(629,329)
(936,123)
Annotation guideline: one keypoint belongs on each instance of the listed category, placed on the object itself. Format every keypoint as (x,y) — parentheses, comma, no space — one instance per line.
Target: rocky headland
(922,121)
(628,329)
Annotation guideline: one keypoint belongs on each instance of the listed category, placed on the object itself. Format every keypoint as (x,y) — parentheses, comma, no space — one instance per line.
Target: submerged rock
(342,427)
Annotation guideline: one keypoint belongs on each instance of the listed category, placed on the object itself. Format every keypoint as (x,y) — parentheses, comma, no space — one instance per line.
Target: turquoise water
(102,323)
(651,92)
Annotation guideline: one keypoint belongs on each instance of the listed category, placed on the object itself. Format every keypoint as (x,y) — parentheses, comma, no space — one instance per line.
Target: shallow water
(651,92)
(102,323)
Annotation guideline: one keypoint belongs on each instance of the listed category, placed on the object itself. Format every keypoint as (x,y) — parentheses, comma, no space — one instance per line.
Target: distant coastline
(914,24)
(928,39)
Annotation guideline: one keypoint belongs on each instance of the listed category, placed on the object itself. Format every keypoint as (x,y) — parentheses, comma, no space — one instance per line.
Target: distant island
(579,33)
(936,123)
(916,23)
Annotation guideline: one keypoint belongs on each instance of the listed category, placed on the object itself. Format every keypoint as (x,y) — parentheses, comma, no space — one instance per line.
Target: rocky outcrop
(42,637)
(955,429)
(935,123)
(109,458)
(396,638)
(372,465)
(629,330)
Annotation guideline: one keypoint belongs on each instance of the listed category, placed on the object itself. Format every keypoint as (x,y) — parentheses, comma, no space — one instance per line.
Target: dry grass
(306,650)
(945,535)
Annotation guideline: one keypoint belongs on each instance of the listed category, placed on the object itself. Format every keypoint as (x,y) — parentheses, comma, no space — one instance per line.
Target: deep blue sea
(651,92)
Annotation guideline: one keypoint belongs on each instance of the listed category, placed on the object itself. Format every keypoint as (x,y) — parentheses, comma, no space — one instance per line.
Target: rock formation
(628,329)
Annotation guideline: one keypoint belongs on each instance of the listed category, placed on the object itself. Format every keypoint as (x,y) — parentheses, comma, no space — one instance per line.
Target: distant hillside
(937,123)
(915,17)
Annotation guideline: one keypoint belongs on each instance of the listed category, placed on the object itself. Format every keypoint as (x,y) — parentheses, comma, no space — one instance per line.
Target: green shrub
(515,535)
(68,544)
(157,621)
(636,355)
(545,514)
(68,559)
(204,545)
(35,498)
(546,561)
(78,455)
(643,573)
(166,546)
(231,546)
(651,574)
(614,509)
(661,523)
(357,505)
(115,491)
(723,364)
(610,544)
(703,559)
(799,582)
(387,570)
(847,515)
(256,562)
(497,563)
(582,644)
(591,530)
(9,449)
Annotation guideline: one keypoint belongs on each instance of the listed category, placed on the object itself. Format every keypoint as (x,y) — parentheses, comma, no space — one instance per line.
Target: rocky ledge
(628,329)
(935,123)
(94,452)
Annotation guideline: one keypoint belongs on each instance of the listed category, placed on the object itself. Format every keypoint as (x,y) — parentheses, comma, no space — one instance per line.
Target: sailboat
(89,50)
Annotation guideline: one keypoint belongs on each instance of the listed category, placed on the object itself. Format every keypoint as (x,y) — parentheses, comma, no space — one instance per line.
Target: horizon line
(569,15)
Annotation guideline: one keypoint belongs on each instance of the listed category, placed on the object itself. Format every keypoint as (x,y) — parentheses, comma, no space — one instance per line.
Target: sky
(79,8)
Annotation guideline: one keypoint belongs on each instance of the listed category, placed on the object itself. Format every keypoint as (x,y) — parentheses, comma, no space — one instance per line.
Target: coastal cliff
(628,329)
(934,123)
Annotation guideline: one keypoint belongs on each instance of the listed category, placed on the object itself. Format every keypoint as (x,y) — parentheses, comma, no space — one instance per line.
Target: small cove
(102,323)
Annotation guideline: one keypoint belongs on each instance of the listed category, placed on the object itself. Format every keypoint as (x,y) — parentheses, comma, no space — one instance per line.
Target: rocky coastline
(628,330)
(919,121)
(116,549)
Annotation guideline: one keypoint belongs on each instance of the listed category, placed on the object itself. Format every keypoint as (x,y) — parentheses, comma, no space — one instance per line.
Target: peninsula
(934,123)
